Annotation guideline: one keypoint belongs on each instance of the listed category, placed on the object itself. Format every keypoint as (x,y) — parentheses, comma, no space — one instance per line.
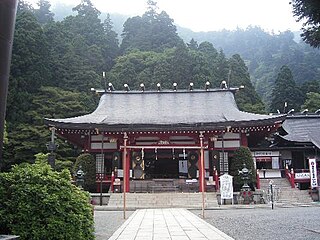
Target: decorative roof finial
(175,86)
(142,87)
(223,85)
(126,87)
(207,86)
(110,87)
(191,86)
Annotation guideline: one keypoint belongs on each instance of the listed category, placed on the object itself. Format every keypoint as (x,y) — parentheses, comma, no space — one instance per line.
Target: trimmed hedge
(88,164)
(39,203)
(242,155)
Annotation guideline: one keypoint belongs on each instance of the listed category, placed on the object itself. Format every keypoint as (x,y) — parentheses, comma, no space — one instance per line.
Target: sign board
(189,181)
(266,153)
(303,175)
(120,173)
(313,172)
(226,187)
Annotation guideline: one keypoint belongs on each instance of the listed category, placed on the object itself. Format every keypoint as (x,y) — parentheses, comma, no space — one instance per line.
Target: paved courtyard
(247,224)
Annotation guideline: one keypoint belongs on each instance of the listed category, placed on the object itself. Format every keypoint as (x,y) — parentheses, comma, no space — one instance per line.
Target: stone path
(161,224)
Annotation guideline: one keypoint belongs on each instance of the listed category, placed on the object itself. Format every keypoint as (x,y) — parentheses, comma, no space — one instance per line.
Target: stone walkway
(161,224)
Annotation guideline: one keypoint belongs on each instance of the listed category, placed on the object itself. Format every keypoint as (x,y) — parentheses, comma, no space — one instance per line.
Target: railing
(290,176)
(103,178)
(258,179)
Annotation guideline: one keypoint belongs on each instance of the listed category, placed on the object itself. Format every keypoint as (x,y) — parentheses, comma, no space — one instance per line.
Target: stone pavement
(169,223)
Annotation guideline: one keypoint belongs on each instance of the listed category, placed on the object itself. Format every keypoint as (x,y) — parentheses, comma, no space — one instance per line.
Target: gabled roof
(154,110)
(302,128)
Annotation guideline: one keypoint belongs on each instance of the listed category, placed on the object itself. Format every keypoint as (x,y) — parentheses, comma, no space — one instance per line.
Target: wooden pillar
(202,172)
(125,176)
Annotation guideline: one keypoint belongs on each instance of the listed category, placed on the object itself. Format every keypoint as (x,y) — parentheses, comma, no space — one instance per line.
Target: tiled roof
(303,128)
(198,108)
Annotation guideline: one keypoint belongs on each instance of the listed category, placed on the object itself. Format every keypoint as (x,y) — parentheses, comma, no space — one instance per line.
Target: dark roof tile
(166,108)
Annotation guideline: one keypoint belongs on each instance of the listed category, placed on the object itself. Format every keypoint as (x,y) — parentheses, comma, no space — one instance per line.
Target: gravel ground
(280,223)
(245,224)
(107,222)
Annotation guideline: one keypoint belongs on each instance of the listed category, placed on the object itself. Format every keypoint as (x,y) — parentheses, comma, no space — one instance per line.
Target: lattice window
(99,163)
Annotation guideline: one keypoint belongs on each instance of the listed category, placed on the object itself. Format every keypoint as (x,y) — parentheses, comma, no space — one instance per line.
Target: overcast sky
(209,15)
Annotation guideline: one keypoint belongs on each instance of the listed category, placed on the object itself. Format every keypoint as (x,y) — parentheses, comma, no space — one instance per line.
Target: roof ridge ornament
(191,86)
(110,87)
(174,86)
(223,85)
(126,87)
(207,86)
(142,87)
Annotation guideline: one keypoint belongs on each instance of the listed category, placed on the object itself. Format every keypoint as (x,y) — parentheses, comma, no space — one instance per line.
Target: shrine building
(181,135)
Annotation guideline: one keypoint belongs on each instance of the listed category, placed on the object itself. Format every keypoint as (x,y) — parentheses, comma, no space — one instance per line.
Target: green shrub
(38,203)
(242,155)
(88,165)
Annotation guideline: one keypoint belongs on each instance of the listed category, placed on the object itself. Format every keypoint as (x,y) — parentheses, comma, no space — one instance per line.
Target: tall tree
(151,32)
(43,13)
(308,11)
(310,86)
(285,94)
(111,51)
(247,98)
(24,6)
(29,66)
(181,66)
(214,61)
(193,44)
(312,102)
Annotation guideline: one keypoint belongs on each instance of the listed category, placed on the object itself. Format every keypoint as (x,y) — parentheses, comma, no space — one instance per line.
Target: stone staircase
(163,200)
(286,195)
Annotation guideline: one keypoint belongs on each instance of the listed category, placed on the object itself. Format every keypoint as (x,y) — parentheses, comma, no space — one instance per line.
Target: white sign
(302,175)
(120,173)
(266,153)
(226,187)
(313,173)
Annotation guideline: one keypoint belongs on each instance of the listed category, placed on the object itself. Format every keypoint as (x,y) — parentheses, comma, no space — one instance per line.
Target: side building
(297,141)
(165,134)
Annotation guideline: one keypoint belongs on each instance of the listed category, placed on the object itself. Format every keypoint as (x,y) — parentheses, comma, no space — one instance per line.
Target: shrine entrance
(162,164)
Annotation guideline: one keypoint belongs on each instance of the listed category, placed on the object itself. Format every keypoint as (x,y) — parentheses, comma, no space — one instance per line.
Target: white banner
(226,187)
(313,173)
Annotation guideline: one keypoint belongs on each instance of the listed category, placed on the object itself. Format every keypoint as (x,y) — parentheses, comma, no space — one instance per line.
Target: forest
(55,63)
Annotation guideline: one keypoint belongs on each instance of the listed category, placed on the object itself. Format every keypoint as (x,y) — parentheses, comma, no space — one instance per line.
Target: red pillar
(126,166)
(112,181)
(292,178)
(243,140)
(216,178)
(258,179)
(127,173)
(201,167)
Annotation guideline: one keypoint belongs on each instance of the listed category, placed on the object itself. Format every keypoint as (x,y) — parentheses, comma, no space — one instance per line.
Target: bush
(88,165)
(38,203)
(242,155)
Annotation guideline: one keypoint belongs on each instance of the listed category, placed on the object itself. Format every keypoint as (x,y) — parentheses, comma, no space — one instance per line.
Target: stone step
(287,194)
(143,200)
